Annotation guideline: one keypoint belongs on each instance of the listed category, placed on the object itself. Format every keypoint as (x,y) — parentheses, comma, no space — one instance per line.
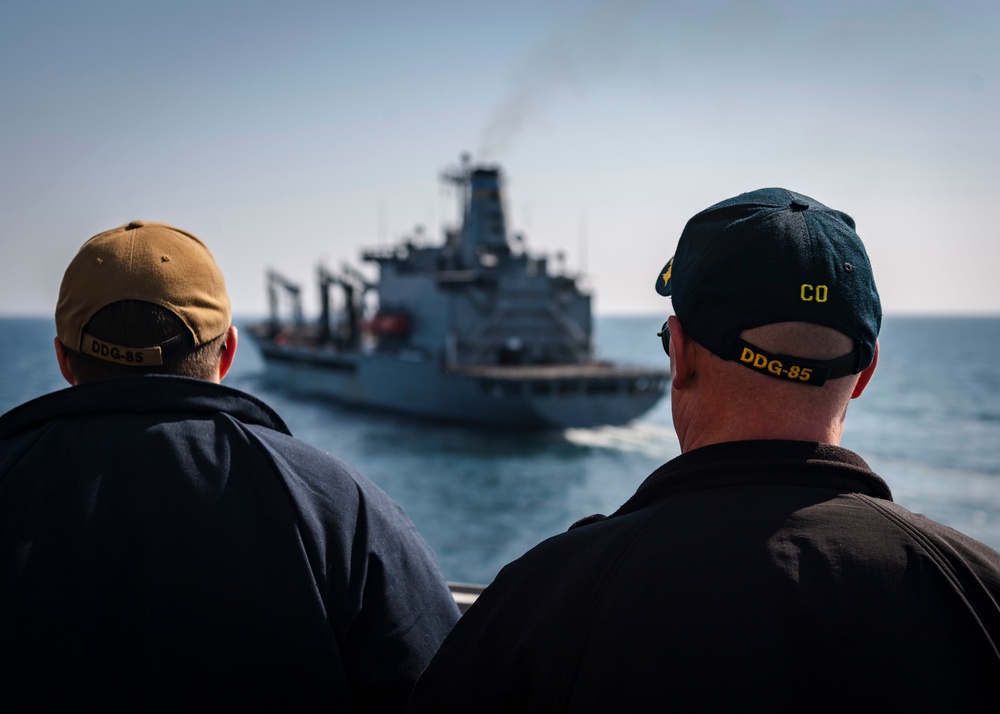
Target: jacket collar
(798,463)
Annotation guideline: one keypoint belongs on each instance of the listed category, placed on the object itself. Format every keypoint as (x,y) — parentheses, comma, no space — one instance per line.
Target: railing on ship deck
(465,594)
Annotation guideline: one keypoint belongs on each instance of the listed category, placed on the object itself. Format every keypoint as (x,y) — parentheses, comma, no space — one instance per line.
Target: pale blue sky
(286,133)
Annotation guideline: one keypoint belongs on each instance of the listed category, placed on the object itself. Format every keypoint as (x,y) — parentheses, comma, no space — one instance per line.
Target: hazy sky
(288,133)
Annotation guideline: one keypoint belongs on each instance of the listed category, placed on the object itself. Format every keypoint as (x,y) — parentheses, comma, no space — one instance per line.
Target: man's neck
(699,424)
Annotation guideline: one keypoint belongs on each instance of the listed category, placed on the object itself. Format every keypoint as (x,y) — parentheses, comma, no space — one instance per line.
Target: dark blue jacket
(166,544)
(748,576)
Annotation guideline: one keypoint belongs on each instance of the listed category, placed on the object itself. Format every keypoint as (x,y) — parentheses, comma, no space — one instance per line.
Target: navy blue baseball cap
(769,256)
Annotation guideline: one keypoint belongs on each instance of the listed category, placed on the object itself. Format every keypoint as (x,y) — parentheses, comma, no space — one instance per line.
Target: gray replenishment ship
(473,331)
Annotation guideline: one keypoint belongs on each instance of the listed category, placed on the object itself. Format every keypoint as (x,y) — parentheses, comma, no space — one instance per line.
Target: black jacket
(755,576)
(166,544)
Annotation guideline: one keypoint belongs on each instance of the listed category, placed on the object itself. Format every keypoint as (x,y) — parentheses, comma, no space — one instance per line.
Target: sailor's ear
(680,357)
(228,352)
(62,357)
(866,375)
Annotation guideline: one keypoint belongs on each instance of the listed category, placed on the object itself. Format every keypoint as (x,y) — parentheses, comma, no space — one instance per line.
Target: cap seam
(131,264)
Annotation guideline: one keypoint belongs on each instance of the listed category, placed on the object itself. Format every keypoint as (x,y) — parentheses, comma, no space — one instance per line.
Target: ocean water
(929,423)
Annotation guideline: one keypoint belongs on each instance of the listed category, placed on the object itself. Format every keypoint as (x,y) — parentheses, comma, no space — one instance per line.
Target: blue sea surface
(929,423)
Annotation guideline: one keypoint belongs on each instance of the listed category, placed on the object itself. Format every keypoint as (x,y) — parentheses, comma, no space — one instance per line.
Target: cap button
(135,224)
(798,205)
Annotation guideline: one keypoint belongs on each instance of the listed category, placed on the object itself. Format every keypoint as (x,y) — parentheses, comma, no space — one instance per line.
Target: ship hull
(510,396)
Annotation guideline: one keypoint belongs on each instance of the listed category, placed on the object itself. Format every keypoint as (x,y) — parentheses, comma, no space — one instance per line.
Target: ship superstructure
(470,330)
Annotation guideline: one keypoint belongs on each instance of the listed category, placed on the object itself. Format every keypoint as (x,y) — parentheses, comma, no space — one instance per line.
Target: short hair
(137,323)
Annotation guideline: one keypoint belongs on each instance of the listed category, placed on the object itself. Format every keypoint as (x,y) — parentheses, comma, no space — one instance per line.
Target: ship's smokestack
(485,228)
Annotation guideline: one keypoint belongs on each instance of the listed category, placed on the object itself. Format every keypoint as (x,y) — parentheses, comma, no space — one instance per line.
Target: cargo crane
(275,283)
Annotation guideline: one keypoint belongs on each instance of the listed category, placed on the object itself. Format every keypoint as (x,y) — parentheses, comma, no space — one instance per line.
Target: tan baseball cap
(146,261)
